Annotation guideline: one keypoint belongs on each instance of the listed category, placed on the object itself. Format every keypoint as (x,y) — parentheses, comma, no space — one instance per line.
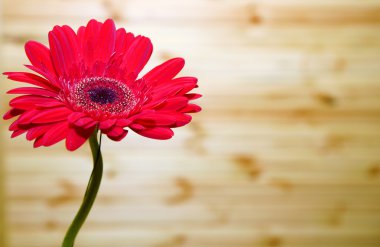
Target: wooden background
(285,153)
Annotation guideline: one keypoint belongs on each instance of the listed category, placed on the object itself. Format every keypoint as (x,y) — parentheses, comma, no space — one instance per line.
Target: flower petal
(76,54)
(50,115)
(136,57)
(193,96)
(39,56)
(107,39)
(123,122)
(177,86)
(38,142)
(89,42)
(33,91)
(154,133)
(123,40)
(107,124)
(59,54)
(23,118)
(31,79)
(191,108)
(77,136)
(117,133)
(165,71)
(17,133)
(73,117)
(51,78)
(181,120)
(27,102)
(85,122)
(56,133)
(13,113)
(49,104)
(37,131)
(155,119)
(173,104)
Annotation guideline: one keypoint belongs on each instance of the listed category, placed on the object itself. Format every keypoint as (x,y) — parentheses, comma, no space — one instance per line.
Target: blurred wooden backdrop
(285,153)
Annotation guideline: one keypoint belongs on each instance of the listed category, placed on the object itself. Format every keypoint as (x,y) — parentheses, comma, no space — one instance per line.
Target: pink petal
(50,115)
(38,142)
(155,119)
(58,54)
(73,45)
(107,124)
(27,102)
(181,120)
(34,91)
(23,118)
(17,133)
(173,104)
(56,133)
(13,113)
(37,131)
(31,79)
(123,122)
(178,86)
(14,126)
(154,103)
(123,40)
(155,133)
(135,127)
(117,133)
(89,42)
(73,117)
(49,104)
(107,38)
(137,56)
(187,86)
(85,122)
(192,96)
(165,71)
(191,108)
(80,35)
(113,69)
(39,56)
(51,78)
(77,136)
(64,50)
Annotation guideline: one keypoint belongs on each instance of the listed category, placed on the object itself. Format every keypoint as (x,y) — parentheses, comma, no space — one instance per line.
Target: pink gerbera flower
(89,79)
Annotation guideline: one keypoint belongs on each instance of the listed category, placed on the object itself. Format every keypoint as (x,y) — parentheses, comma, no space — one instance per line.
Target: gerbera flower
(89,79)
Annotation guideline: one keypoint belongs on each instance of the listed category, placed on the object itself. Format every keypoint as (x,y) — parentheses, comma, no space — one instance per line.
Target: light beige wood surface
(286,152)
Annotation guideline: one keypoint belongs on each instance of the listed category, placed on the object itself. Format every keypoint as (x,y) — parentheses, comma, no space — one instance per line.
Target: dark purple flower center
(102,95)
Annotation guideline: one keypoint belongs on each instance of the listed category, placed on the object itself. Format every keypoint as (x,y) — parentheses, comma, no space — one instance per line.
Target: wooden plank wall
(286,152)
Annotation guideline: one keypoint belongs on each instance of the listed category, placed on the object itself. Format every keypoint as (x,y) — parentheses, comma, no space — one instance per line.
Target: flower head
(89,79)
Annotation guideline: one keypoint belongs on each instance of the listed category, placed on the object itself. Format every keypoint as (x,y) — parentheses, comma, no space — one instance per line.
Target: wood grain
(286,152)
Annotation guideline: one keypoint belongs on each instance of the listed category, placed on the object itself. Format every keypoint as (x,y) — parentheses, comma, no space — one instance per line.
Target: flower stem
(91,191)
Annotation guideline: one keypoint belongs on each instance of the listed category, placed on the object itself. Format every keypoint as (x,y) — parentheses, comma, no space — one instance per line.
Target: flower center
(102,97)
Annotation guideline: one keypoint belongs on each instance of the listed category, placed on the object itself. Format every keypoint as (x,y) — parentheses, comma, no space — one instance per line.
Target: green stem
(91,192)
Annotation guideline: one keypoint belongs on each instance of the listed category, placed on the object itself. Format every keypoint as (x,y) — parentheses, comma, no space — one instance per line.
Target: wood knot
(68,195)
(282,184)
(248,164)
(374,171)
(273,241)
(185,192)
(175,241)
(325,99)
